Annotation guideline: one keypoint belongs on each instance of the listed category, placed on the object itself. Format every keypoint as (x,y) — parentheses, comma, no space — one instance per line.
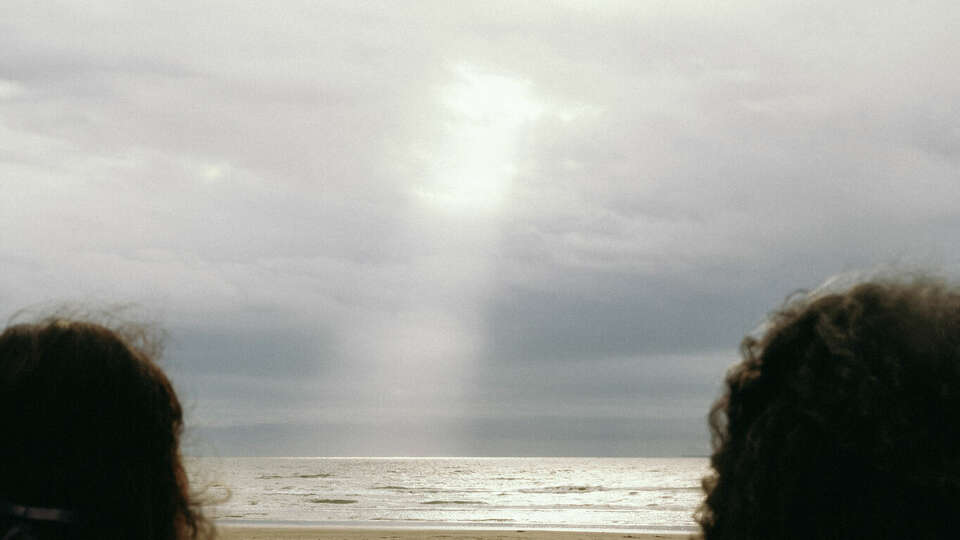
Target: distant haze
(467,228)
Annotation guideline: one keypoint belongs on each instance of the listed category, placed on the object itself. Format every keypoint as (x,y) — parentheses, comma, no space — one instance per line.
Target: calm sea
(623,494)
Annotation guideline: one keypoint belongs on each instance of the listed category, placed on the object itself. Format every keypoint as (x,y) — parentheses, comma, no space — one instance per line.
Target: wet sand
(323,533)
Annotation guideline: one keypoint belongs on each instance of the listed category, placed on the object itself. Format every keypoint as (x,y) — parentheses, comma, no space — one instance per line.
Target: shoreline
(295,532)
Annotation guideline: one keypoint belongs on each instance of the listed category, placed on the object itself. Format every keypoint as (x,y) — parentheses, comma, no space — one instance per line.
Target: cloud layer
(481,228)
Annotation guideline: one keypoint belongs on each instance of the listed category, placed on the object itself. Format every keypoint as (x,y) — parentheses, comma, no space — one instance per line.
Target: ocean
(597,494)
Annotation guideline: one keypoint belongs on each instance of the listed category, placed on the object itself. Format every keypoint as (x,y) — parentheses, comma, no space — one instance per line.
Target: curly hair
(91,428)
(843,420)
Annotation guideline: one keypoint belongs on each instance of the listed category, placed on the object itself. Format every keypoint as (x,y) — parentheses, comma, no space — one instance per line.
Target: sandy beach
(318,533)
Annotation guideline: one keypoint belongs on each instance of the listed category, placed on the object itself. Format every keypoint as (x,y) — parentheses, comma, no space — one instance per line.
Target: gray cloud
(467,229)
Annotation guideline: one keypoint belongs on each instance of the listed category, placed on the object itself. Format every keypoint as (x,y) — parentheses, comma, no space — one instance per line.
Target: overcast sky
(467,228)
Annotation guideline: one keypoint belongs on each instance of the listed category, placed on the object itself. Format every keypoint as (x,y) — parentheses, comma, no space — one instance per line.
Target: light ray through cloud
(461,193)
(485,115)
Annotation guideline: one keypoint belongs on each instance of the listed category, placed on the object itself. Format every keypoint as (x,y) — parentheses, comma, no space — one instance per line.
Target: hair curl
(843,420)
(92,425)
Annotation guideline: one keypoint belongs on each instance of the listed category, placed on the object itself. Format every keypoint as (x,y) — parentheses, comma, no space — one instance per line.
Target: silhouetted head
(89,437)
(843,420)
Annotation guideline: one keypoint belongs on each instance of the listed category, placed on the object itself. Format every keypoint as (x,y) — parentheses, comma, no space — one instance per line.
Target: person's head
(89,430)
(843,420)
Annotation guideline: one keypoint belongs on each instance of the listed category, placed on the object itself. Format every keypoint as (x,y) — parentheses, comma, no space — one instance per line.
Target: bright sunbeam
(486,114)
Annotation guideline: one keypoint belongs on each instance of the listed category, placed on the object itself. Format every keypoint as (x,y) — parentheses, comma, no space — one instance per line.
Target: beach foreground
(324,533)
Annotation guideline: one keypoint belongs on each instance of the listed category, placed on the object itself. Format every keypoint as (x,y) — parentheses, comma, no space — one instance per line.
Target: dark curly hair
(843,420)
(90,429)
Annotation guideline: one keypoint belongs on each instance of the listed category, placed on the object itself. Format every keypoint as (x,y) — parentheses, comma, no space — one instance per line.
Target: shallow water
(637,494)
